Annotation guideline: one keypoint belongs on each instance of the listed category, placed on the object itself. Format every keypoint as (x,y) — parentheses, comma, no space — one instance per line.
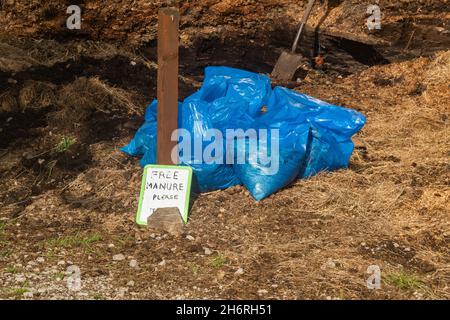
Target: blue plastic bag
(144,140)
(262,178)
(332,128)
(313,135)
(208,175)
(234,96)
(229,89)
(192,117)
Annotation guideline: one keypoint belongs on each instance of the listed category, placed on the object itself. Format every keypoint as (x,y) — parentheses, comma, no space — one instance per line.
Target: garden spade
(289,62)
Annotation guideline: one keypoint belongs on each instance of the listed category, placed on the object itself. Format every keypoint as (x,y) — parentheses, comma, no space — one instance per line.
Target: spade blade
(286,67)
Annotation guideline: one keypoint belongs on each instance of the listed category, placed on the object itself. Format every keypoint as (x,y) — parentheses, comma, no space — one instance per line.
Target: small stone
(20,278)
(207,251)
(222,210)
(121,292)
(190,238)
(407,249)
(40,260)
(162,263)
(130,283)
(396,245)
(262,292)
(111,245)
(133,263)
(239,271)
(167,220)
(28,295)
(40,237)
(61,263)
(119,257)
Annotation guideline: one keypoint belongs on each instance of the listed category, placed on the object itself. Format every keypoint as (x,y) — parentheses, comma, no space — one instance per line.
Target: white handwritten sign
(164,187)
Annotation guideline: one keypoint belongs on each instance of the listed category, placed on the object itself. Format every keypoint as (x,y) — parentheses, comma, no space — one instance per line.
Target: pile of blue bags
(310,135)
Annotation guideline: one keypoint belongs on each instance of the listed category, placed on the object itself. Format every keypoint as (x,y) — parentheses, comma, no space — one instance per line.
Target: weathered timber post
(168,44)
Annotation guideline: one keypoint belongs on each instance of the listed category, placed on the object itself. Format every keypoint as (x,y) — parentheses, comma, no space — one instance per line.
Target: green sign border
(144,181)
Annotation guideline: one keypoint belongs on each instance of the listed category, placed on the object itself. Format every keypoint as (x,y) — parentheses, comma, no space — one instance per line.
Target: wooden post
(168,39)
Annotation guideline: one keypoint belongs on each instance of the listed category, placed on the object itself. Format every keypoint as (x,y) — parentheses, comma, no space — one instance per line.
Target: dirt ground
(70,99)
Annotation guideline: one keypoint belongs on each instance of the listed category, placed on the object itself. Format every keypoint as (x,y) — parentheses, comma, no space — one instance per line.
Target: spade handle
(302,25)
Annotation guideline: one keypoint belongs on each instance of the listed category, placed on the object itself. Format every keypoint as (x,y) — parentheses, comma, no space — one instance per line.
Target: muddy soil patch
(53,114)
(259,54)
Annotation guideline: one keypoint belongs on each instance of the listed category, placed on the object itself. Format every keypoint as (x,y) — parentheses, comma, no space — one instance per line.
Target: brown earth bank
(135,21)
(69,100)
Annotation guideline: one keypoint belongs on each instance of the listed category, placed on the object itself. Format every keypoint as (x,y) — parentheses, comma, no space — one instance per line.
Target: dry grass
(91,94)
(36,94)
(397,192)
(13,59)
(438,72)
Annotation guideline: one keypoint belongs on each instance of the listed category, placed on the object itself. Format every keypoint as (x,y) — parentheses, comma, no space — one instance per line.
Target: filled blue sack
(332,127)
(209,175)
(235,96)
(269,168)
(144,141)
(193,117)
